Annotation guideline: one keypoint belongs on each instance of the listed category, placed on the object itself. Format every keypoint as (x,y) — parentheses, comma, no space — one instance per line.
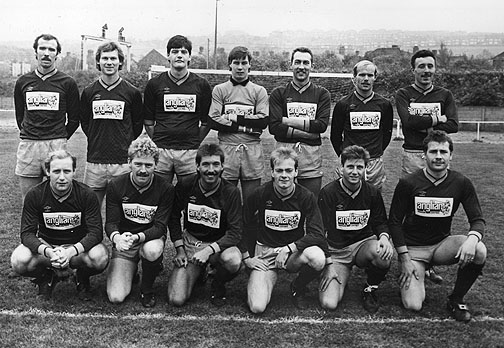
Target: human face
(364,79)
(179,58)
(47,52)
(353,172)
(301,66)
(240,69)
(109,63)
(142,170)
(438,156)
(61,174)
(210,170)
(283,174)
(424,70)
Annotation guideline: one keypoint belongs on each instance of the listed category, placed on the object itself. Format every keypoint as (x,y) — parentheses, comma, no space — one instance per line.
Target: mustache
(143,175)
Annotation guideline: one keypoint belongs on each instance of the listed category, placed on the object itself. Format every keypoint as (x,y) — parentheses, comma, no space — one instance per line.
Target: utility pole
(215,37)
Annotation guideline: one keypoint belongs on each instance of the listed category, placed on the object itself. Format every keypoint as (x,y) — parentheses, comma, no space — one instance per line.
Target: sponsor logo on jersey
(425,109)
(282,220)
(238,110)
(203,215)
(351,220)
(433,206)
(180,102)
(139,213)
(62,220)
(368,120)
(302,110)
(108,109)
(42,101)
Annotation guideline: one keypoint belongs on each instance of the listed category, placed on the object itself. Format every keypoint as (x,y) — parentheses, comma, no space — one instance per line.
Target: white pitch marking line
(285,320)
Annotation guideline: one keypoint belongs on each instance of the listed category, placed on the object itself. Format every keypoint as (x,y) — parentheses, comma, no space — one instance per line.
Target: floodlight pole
(215,37)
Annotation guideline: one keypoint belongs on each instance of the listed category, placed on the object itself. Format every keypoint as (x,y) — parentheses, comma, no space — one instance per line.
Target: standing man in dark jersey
(299,113)
(47,112)
(421,213)
(175,112)
(364,118)
(111,118)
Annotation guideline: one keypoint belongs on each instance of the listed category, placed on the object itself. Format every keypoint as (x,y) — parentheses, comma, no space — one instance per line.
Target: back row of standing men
(178,110)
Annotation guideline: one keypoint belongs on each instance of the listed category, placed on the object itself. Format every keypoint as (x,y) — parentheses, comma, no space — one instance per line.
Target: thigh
(375,172)
(259,289)
(334,292)
(248,186)
(152,249)
(312,256)
(414,295)
(252,163)
(120,275)
(446,251)
(95,176)
(412,161)
(231,166)
(23,260)
(165,167)
(230,258)
(366,253)
(184,162)
(181,283)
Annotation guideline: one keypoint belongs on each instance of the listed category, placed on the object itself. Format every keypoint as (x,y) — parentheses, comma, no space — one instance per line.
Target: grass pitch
(66,321)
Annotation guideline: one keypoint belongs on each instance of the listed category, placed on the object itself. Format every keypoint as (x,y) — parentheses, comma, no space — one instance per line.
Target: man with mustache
(421,213)
(364,118)
(138,206)
(61,230)
(212,229)
(47,112)
(422,108)
(290,236)
(175,112)
(299,113)
(111,118)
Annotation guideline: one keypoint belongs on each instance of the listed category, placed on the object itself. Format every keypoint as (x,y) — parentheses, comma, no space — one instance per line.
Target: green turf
(98,323)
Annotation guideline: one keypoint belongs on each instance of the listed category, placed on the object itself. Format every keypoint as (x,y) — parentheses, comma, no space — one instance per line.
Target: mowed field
(66,321)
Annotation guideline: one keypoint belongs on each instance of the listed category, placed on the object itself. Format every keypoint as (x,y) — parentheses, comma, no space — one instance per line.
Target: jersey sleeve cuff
(476,234)
(215,247)
(178,243)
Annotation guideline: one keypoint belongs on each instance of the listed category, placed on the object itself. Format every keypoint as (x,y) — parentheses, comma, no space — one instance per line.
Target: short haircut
(354,152)
(109,47)
(239,52)
(209,150)
(302,50)
(421,54)
(179,41)
(143,146)
(437,136)
(59,154)
(47,37)
(364,63)
(281,154)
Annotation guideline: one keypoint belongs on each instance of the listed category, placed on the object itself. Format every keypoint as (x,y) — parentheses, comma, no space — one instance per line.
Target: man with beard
(61,230)
(212,229)
(138,207)
(422,108)
(175,112)
(111,118)
(364,118)
(47,112)
(421,213)
(290,235)
(299,113)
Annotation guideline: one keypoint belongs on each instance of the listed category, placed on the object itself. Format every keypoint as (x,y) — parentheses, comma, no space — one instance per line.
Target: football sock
(223,275)
(465,279)
(305,276)
(375,275)
(150,270)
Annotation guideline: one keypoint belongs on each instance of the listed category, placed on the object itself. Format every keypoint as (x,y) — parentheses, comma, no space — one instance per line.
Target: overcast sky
(158,19)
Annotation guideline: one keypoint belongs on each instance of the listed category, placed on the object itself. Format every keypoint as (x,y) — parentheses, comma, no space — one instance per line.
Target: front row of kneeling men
(61,229)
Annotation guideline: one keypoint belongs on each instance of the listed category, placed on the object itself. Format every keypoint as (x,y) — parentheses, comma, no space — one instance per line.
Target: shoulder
(228,188)
(197,78)
(128,86)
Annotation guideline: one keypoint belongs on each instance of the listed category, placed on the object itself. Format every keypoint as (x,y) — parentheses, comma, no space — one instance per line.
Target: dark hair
(302,50)
(143,146)
(59,154)
(283,153)
(364,63)
(47,37)
(178,41)
(354,152)
(209,150)
(109,47)
(421,54)
(239,52)
(437,136)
